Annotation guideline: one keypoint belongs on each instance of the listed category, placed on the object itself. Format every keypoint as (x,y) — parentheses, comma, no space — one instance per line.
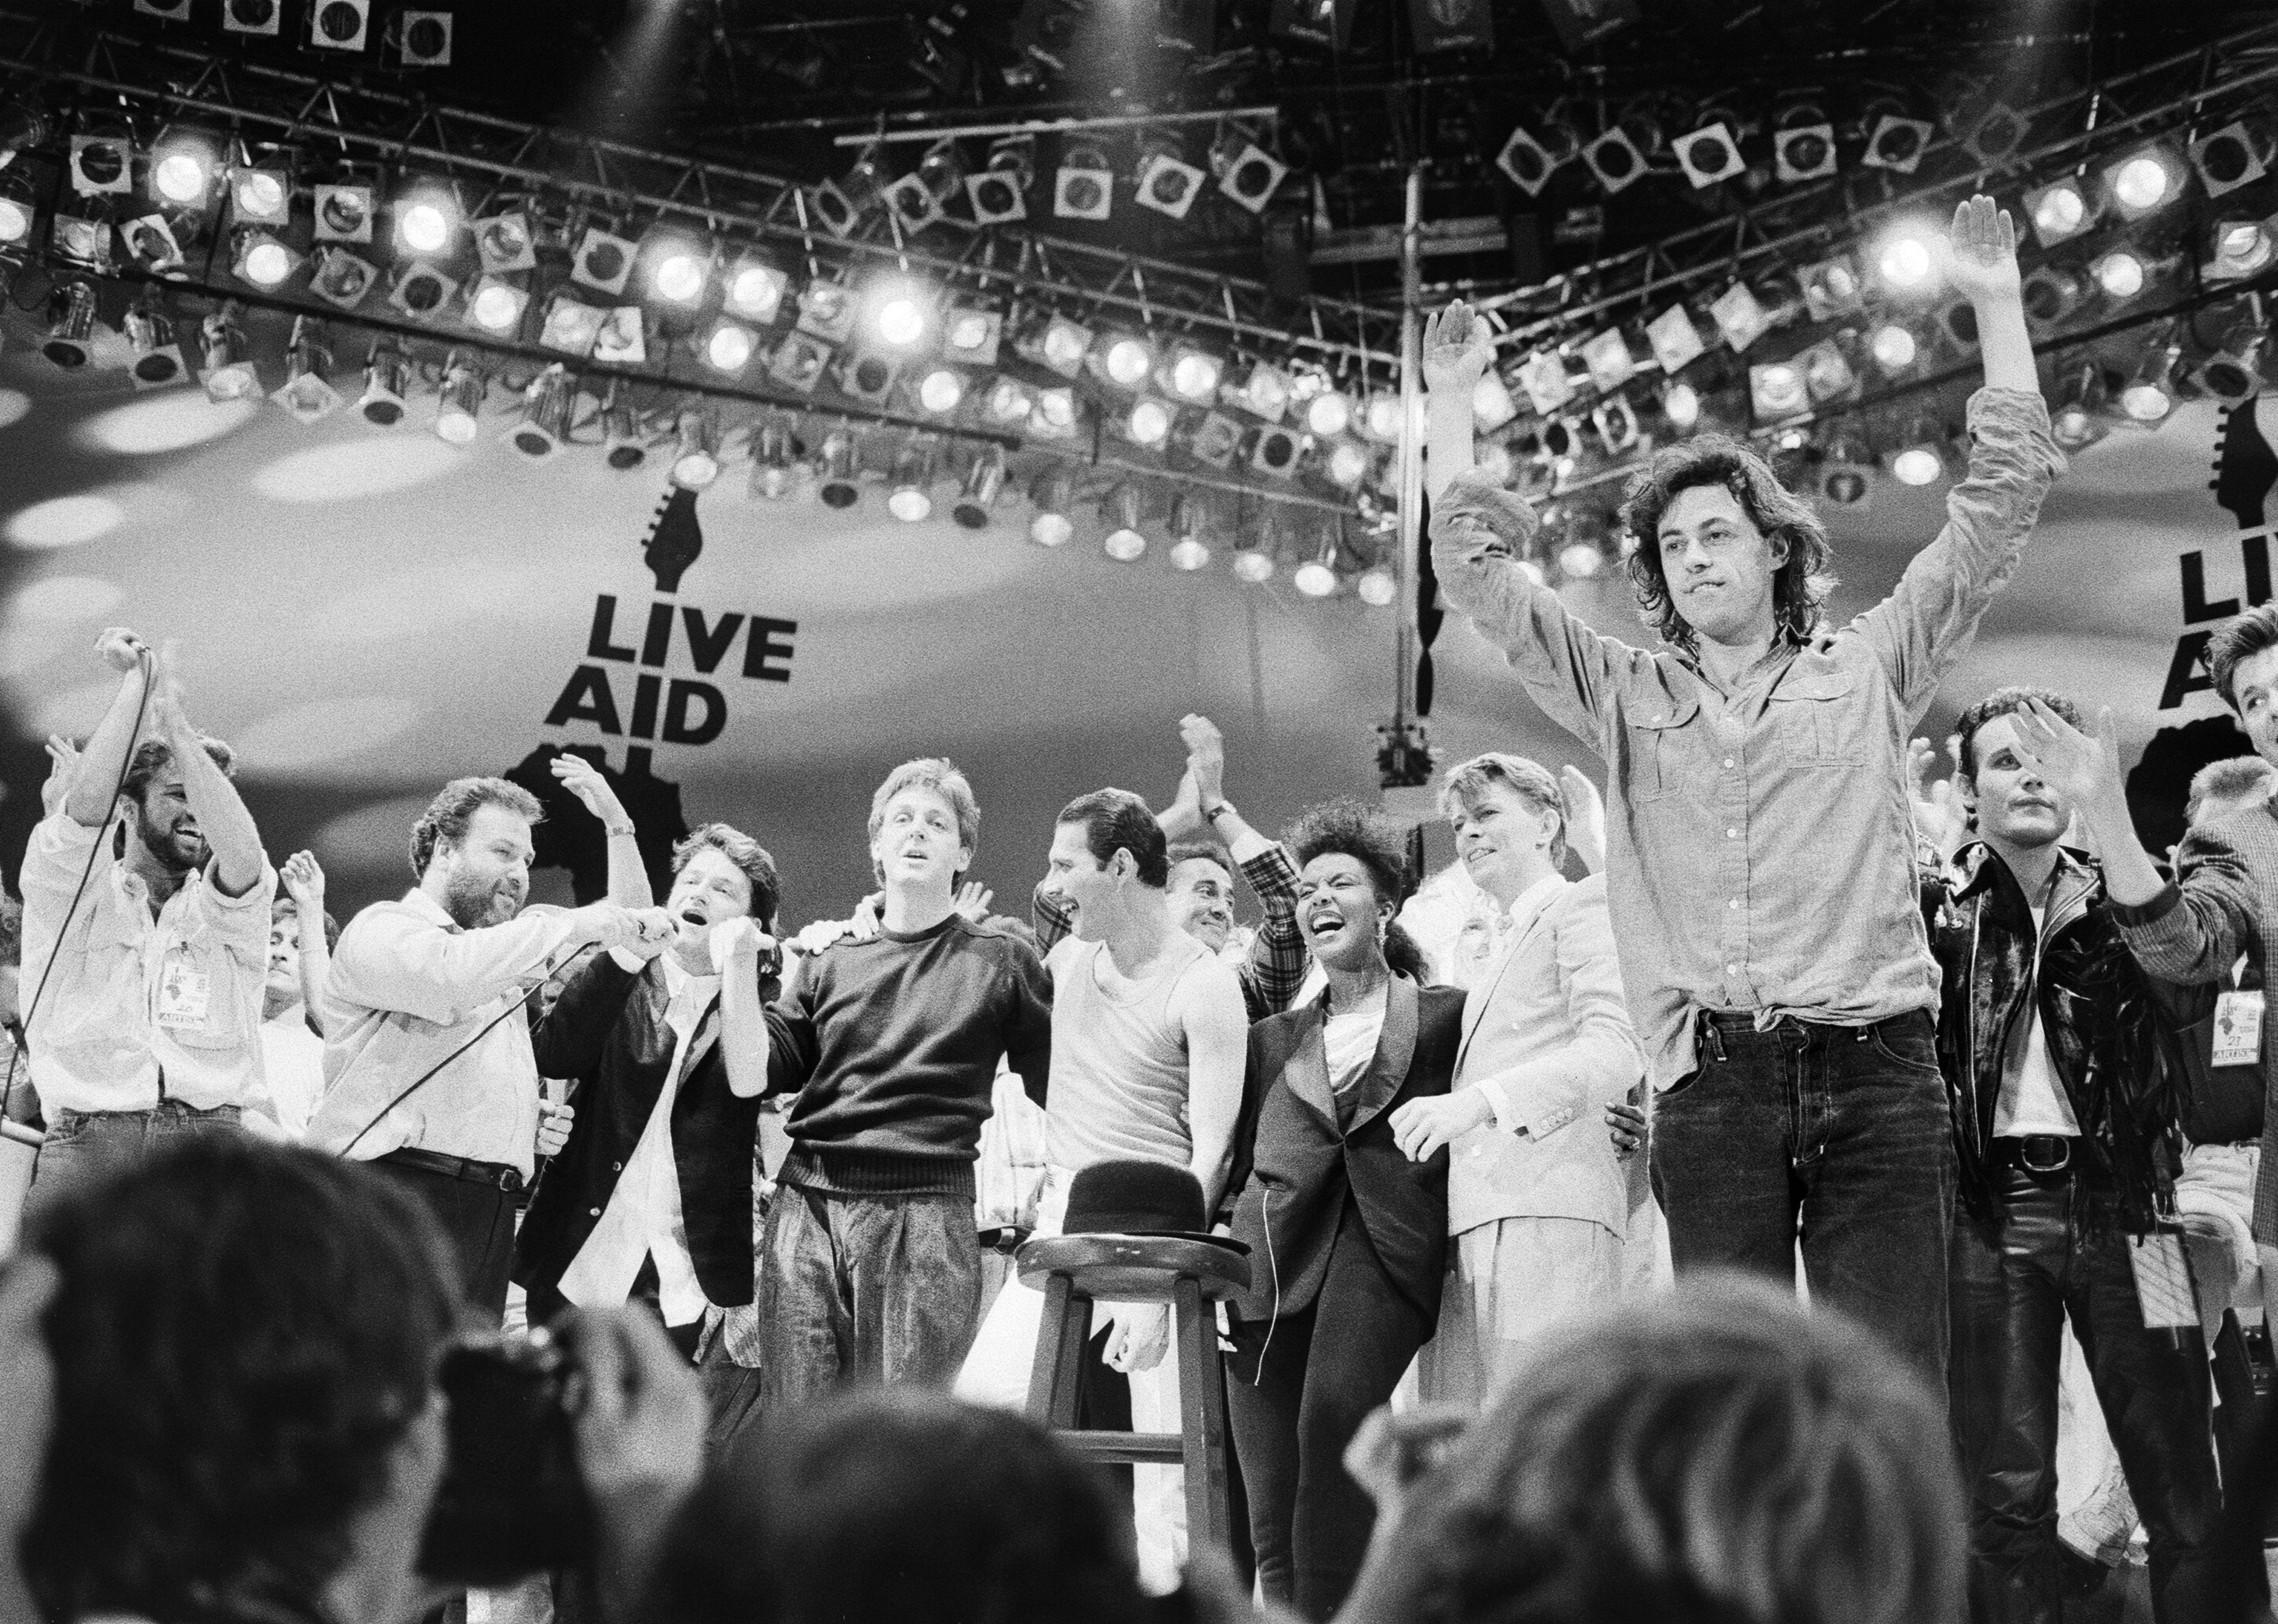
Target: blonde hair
(1467,781)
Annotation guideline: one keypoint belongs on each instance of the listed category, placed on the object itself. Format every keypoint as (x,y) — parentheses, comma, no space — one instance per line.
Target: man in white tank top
(1149,1037)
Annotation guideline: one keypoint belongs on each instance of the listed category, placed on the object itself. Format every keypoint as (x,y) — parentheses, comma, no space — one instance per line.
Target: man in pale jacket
(1537,1202)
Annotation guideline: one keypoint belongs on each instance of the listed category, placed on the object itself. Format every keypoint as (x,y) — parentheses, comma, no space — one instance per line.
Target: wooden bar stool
(1076,1271)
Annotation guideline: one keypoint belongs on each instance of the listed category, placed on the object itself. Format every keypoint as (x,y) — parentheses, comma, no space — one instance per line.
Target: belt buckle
(2025,1154)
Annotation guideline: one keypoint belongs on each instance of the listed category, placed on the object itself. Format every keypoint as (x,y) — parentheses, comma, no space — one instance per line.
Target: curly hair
(2231,780)
(445,821)
(1719,1452)
(1801,586)
(1378,845)
(758,866)
(242,1333)
(2000,702)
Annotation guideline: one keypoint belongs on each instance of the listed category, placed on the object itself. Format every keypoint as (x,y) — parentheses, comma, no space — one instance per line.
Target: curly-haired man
(1759,861)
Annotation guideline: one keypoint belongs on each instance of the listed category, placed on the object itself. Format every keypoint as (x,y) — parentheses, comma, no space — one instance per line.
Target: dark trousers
(83,1147)
(1840,1133)
(479,1220)
(2016,1278)
(868,1289)
(1297,1389)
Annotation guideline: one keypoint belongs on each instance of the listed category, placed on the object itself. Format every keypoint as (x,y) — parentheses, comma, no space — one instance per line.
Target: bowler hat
(1139,1198)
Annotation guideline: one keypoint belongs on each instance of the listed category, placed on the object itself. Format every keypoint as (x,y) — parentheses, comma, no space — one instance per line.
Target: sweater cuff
(2126,915)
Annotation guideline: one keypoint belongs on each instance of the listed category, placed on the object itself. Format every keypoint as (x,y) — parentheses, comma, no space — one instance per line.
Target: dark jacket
(608,1031)
(2098,1017)
(1293,1164)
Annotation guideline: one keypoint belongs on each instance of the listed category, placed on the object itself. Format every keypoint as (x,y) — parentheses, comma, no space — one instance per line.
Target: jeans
(1838,1136)
(2017,1276)
(864,1290)
(1297,1388)
(84,1146)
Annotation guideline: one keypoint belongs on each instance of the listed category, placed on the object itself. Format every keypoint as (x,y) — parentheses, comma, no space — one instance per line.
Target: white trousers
(1513,1279)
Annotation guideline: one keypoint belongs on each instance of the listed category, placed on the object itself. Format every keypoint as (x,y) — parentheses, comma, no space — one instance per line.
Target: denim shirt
(1760,851)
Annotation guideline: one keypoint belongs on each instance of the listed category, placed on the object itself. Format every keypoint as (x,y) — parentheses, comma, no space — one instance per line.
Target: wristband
(1210,814)
(619,831)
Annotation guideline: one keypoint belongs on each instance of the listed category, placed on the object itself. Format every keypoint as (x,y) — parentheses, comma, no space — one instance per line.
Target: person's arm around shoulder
(1217,1026)
(1028,1016)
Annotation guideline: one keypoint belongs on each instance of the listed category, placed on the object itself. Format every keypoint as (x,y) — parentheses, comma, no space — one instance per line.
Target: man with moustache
(2065,1134)
(428,1068)
(147,918)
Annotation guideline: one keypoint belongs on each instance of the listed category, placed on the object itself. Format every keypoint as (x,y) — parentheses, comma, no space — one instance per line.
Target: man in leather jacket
(2064,1123)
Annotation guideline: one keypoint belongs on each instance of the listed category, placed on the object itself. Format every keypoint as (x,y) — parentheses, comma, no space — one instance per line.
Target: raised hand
(1457,350)
(2077,766)
(63,767)
(1205,757)
(585,781)
(1182,818)
(121,649)
(739,937)
(304,883)
(1979,256)
(1936,815)
(973,900)
(1585,817)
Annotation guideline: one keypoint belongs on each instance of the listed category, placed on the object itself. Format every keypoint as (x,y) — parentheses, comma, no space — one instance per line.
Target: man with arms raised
(1537,1202)
(870,1266)
(145,938)
(1760,848)
(428,1068)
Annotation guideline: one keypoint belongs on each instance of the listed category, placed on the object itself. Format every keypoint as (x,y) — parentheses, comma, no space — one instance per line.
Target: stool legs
(1202,1400)
(1058,1373)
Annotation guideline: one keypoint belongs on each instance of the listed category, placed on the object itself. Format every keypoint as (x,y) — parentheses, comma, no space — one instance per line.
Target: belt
(498,1175)
(2043,1154)
(1741,1022)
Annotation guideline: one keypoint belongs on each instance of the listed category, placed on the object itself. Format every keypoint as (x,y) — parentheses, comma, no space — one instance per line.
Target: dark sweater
(892,1044)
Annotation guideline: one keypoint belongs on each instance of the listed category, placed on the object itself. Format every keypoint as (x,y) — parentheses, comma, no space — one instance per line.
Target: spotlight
(1614,158)
(16,211)
(425,220)
(423,40)
(1189,550)
(420,289)
(900,318)
(1010,401)
(984,480)
(841,470)
(2060,211)
(2053,293)
(254,17)
(342,278)
(1531,162)
(260,197)
(1740,318)
(1275,453)
(1959,322)
(1616,421)
(1675,341)
(2238,154)
(344,212)
(157,358)
(101,165)
(1777,390)
(2077,422)
(910,496)
(1253,565)
(941,391)
(1383,418)
(972,336)
(1121,509)
(603,261)
(1377,587)
(1148,425)
(799,362)
(1897,142)
(1831,288)
(2241,249)
(1050,526)
(1083,187)
(621,430)
(1317,576)
(677,269)
(1194,374)
(1215,440)
(150,243)
(308,357)
(1494,461)
(1920,458)
(1994,138)
(1709,155)
(546,408)
(773,471)
(229,374)
(867,378)
(998,194)
(729,347)
(2145,180)
(71,325)
(1492,405)
(2233,374)
(182,170)
(459,399)
(1248,173)
(1845,477)
(1804,151)
(1906,261)
(2149,394)
(826,311)
(755,290)
(1167,183)
(1127,360)
(259,258)
(1062,345)
(1348,464)
(386,381)
(2122,273)
(339,25)
(1263,391)
(1893,348)
(696,458)
(1328,416)
(495,306)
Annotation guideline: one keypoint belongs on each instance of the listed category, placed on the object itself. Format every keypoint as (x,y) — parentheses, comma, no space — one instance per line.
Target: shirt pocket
(1813,719)
(1654,738)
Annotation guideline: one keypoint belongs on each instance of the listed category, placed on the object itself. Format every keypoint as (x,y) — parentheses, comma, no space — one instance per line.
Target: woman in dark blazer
(1348,1239)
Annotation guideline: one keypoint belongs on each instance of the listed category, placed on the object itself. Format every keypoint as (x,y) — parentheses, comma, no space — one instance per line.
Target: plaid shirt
(2224,903)
(1277,962)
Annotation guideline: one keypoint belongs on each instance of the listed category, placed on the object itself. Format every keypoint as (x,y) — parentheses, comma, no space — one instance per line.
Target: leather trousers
(2015,1278)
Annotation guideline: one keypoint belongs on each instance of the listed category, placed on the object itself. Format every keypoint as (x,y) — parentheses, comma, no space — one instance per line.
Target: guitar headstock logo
(676,540)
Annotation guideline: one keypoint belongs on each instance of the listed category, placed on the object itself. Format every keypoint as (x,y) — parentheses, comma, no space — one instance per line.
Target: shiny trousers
(2015,1278)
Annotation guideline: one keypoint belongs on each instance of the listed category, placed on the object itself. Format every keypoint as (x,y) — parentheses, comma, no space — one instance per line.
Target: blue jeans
(84,1146)
(1838,1136)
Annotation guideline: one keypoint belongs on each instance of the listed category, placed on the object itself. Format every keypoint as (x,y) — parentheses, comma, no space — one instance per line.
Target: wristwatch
(619,831)
(1210,814)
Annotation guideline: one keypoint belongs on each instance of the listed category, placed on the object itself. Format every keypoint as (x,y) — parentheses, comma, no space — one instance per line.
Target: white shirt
(2033,1101)
(139,1008)
(644,1218)
(293,1059)
(1349,1038)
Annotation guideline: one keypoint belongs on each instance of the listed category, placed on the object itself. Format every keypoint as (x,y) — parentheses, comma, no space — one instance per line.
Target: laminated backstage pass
(2238,1029)
(2163,1280)
(184,994)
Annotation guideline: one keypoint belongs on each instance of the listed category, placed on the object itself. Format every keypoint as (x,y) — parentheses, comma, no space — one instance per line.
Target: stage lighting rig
(1186,524)
(674,267)
(427,217)
(306,393)
(1148,424)
(2240,248)
(2078,420)
(420,290)
(344,210)
(2145,180)
(999,195)
(339,25)
(1530,159)
(1317,576)
(1121,511)
(229,374)
(1246,171)
(2060,211)
(1895,140)
(422,39)
(1710,153)
(909,493)
(729,347)
(984,480)
(342,278)
(2053,293)
(839,469)
(1675,340)
(1803,146)
(459,399)
(603,261)
(387,383)
(774,459)
(1083,187)
(753,290)
(260,258)
(2149,394)
(1995,134)
(71,325)
(1614,159)
(496,306)
(101,166)
(2238,154)
(158,359)
(546,405)
(2233,373)
(251,17)
(970,336)
(1164,181)
(506,243)
(696,457)
(1193,374)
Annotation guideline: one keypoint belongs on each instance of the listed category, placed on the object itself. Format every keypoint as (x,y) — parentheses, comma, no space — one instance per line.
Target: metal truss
(105,74)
